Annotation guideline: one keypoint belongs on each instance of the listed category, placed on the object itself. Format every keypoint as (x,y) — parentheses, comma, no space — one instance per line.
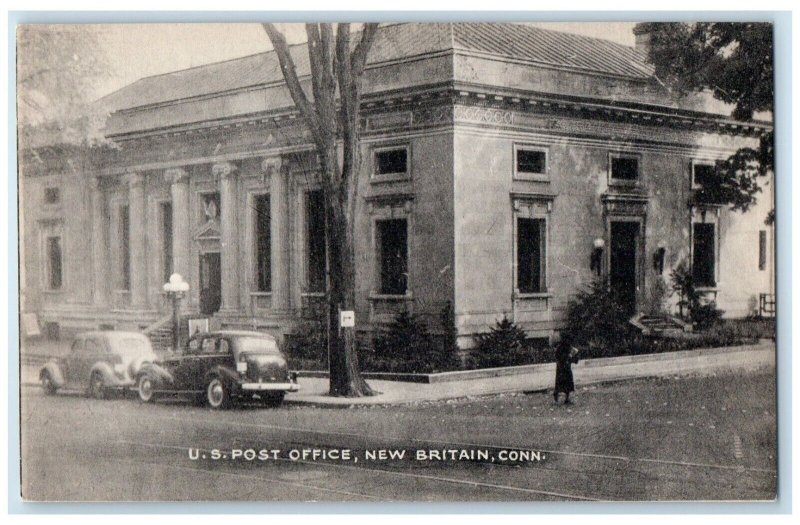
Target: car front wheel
(97,386)
(48,385)
(146,393)
(217,394)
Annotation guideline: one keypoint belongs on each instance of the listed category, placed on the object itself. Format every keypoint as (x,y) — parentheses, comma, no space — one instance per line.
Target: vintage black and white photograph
(403,261)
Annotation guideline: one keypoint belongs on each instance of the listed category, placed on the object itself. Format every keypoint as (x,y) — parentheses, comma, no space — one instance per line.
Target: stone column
(138,211)
(226,172)
(99,249)
(279,232)
(179,189)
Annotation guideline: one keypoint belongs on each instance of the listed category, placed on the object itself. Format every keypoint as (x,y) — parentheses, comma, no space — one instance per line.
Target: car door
(207,357)
(222,354)
(186,369)
(71,364)
(93,352)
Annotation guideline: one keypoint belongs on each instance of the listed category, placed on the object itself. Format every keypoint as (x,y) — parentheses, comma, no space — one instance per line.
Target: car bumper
(263,387)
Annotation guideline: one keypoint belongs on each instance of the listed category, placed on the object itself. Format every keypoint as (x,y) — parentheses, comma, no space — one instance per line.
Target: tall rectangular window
(531,252)
(762,250)
(263,244)
(704,256)
(125,248)
(315,221)
(393,256)
(54,263)
(166,240)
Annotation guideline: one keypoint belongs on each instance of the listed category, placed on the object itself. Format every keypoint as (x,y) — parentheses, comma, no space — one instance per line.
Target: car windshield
(131,346)
(258,345)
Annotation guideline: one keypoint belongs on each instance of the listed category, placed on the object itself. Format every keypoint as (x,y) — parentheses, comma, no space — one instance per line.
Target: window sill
(624,183)
(389,177)
(260,294)
(532,177)
(533,295)
(375,296)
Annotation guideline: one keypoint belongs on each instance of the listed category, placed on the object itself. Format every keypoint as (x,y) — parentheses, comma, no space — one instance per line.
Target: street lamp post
(176,288)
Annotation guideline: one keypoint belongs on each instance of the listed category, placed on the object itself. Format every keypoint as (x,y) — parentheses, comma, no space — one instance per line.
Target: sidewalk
(704,361)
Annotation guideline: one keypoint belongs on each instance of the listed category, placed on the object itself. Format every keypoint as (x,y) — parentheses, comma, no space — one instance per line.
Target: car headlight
(119,368)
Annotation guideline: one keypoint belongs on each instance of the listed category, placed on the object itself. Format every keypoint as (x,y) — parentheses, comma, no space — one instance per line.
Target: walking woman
(566,355)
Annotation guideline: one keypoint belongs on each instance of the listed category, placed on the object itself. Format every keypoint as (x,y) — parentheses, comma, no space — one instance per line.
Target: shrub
(503,345)
(307,347)
(596,320)
(690,301)
(407,346)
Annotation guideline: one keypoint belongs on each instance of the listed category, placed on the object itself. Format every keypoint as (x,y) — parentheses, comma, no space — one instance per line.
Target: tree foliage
(58,68)
(734,61)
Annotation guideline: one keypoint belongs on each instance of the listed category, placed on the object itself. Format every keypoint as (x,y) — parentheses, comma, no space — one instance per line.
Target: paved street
(698,437)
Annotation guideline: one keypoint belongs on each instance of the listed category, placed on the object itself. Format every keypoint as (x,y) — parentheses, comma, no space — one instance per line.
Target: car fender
(135,367)
(158,374)
(231,377)
(56,375)
(107,372)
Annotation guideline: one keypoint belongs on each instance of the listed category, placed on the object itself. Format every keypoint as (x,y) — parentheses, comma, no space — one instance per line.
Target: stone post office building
(497,158)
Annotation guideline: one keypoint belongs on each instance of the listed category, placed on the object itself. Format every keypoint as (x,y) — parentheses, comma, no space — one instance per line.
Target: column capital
(223,170)
(270,165)
(133,179)
(176,176)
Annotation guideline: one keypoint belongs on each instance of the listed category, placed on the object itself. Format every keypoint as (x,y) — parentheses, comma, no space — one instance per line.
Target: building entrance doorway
(623,264)
(210,283)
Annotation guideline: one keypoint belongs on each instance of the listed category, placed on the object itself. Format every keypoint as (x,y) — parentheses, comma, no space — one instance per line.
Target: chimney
(642,32)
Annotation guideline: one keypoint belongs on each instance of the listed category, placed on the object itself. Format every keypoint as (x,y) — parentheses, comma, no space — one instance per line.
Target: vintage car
(220,368)
(98,362)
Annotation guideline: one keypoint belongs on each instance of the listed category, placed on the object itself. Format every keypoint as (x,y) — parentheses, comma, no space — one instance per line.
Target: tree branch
(292,82)
(358,58)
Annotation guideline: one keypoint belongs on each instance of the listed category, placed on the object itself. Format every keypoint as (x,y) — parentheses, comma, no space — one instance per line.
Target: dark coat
(564,359)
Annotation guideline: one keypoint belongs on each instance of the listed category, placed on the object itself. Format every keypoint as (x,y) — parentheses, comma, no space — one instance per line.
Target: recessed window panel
(625,168)
(391,161)
(531,161)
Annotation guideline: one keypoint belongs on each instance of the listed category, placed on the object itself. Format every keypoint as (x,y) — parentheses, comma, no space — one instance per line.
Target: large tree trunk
(335,62)
(345,375)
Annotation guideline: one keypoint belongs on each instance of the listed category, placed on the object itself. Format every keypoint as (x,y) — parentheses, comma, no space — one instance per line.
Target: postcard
(428,262)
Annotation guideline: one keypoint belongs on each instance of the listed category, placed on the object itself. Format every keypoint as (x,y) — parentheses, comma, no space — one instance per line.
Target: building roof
(395,42)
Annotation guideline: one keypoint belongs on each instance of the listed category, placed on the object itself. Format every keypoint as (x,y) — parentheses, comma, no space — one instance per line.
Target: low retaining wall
(462,375)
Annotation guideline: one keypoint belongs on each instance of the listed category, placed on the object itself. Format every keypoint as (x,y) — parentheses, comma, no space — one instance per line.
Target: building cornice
(487,96)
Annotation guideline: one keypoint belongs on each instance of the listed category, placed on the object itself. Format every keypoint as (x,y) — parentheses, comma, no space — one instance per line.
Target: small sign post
(347,319)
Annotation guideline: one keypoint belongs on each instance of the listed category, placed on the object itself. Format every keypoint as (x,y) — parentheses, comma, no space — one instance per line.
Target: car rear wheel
(146,393)
(273,399)
(217,394)
(97,386)
(48,385)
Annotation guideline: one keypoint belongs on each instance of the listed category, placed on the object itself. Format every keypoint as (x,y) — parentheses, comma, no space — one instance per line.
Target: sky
(141,50)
